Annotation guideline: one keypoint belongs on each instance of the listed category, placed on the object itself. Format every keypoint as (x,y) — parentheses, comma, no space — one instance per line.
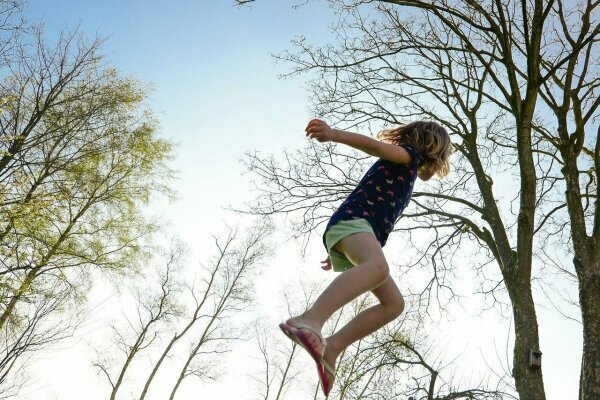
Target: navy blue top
(381,195)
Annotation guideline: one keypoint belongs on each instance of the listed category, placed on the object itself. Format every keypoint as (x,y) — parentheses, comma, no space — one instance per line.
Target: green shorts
(339,231)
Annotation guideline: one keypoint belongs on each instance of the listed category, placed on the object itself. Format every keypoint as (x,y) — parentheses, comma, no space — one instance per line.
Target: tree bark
(529,381)
(589,298)
(587,252)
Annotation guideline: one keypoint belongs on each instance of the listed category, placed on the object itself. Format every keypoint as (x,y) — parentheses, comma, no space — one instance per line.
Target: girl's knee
(399,306)
(395,307)
(381,269)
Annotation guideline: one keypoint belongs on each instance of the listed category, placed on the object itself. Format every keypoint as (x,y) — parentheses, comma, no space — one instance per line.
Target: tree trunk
(529,381)
(587,266)
(589,298)
(16,297)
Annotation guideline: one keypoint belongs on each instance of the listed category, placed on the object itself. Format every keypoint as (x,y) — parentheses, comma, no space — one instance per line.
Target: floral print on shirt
(381,195)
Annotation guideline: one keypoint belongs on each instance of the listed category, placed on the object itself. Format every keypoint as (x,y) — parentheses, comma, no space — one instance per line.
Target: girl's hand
(327,263)
(319,130)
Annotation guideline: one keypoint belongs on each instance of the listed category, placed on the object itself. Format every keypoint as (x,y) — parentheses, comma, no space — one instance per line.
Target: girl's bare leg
(371,273)
(366,322)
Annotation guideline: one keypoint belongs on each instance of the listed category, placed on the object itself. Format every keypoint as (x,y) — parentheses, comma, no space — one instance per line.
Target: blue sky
(215,85)
(216,92)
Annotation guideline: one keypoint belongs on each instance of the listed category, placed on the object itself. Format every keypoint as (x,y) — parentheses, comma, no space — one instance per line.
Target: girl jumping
(359,228)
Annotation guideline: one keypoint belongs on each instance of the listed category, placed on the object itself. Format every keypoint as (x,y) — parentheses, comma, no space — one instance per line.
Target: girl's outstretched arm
(322,132)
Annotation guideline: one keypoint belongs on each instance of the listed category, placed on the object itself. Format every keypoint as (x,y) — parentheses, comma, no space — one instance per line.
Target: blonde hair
(431,141)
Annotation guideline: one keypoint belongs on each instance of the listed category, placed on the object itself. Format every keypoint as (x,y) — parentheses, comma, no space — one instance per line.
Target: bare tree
(157,308)
(570,92)
(404,365)
(230,294)
(279,354)
(195,314)
(278,372)
(480,69)
(37,330)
